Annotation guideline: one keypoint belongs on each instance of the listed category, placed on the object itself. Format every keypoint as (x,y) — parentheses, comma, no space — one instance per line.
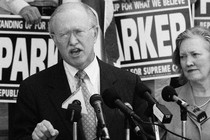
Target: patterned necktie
(88,120)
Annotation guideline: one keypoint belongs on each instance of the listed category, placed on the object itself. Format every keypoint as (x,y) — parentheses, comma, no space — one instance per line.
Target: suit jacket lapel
(59,91)
(107,77)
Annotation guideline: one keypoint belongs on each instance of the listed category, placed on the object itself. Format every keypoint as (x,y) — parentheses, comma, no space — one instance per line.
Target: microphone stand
(74,130)
(74,111)
(127,128)
(156,129)
(183,112)
(75,120)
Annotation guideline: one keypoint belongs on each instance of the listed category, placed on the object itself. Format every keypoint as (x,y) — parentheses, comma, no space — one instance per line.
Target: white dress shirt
(93,80)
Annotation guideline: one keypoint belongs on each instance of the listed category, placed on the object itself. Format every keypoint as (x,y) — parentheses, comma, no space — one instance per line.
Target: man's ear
(96,32)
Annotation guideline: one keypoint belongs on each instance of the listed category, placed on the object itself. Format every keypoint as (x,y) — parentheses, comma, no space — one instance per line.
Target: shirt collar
(72,70)
(91,69)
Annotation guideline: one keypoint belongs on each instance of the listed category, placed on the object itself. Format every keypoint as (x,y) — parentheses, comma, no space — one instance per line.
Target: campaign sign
(201,10)
(25,49)
(147,31)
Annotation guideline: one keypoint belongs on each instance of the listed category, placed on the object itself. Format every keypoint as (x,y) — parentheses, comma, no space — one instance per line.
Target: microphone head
(74,111)
(94,98)
(167,93)
(109,96)
(145,93)
(142,89)
(75,105)
(77,102)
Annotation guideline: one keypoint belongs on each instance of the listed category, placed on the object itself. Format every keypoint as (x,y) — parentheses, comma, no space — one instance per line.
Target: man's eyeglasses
(78,33)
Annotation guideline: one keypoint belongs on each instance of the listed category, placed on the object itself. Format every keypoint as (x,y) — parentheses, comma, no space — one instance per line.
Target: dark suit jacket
(41,96)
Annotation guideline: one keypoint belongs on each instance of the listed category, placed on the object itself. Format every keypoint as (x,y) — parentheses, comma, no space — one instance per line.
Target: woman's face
(195,59)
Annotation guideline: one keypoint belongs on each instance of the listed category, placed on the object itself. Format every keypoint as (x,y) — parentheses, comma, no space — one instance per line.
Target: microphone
(159,110)
(96,103)
(135,125)
(169,94)
(127,124)
(112,100)
(74,111)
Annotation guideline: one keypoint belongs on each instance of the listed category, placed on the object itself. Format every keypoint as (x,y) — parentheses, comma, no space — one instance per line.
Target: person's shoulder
(182,89)
(43,75)
(117,70)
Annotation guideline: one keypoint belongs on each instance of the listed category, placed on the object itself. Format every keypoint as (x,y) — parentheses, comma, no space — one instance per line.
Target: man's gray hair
(76,5)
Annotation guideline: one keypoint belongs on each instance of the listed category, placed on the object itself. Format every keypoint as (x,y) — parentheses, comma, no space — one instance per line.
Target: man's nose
(72,38)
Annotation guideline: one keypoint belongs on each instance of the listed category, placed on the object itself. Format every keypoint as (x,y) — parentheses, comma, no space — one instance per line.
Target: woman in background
(192,57)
